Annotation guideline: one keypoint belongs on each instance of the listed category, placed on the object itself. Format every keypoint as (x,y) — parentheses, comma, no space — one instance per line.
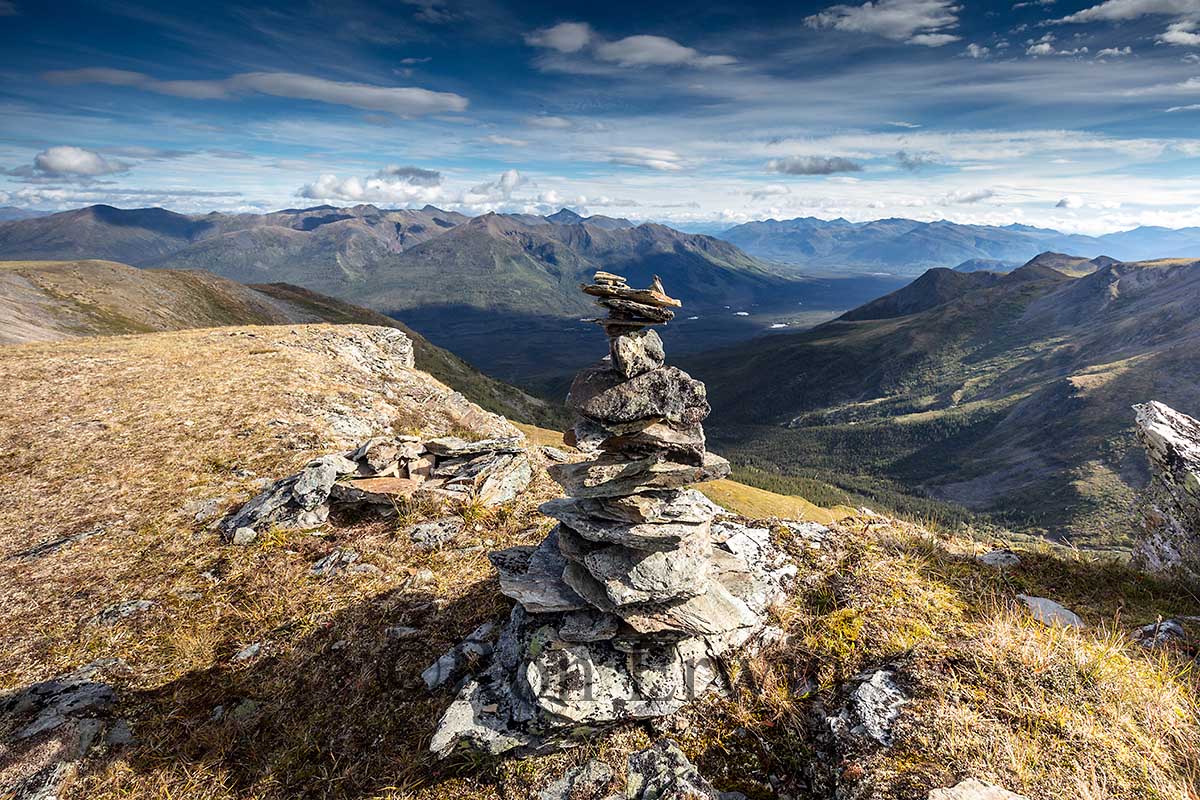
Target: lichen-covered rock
(663,771)
(436,533)
(635,353)
(971,789)
(1171,504)
(872,710)
(591,780)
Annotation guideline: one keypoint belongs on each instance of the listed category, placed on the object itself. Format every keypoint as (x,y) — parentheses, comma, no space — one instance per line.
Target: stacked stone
(626,606)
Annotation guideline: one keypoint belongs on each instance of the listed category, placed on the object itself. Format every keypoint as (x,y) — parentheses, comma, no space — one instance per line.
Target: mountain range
(1007,394)
(908,247)
(500,290)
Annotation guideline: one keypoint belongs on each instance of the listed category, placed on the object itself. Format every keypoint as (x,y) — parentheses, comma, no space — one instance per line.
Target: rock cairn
(626,607)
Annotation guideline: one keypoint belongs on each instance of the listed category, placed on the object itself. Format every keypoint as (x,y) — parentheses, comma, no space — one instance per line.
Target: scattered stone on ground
(379,473)
(119,611)
(248,652)
(592,779)
(436,533)
(971,789)
(1001,559)
(1163,633)
(54,545)
(1170,506)
(57,723)
(663,771)
(627,606)
(467,653)
(1050,613)
(872,710)
(332,564)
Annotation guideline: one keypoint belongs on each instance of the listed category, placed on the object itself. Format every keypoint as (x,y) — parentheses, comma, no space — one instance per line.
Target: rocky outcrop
(1170,506)
(382,471)
(48,728)
(625,610)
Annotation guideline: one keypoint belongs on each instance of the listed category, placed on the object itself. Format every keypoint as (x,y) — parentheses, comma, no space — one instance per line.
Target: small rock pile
(381,471)
(626,607)
(1171,505)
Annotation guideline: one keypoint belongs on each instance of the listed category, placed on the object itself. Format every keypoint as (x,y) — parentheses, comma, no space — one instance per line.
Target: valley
(1006,395)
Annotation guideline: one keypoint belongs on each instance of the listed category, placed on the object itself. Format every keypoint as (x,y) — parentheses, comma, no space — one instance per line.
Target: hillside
(49,301)
(201,668)
(909,247)
(1011,399)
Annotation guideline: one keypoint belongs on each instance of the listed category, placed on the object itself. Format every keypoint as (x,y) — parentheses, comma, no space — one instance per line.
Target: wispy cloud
(919,22)
(400,100)
(812,165)
(648,157)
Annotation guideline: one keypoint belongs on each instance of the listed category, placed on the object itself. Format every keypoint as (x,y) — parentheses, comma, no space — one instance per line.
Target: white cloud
(651,158)
(1183,34)
(920,22)
(812,165)
(400,100)
(1114,52)
(643,51)
(903,124)
(392,184)
(548,121)
(67,163)
(977,51)
(565,37)
(967,196)
(1193,107)
(1070,201)
(633,51)
(1123,10)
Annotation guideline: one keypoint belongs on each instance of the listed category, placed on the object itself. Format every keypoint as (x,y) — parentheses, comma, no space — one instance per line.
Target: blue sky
(1077,115)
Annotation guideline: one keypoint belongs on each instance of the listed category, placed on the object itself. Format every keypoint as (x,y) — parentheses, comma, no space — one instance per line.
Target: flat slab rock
(664,536)
(533,576)
(608,476)
(1048,612)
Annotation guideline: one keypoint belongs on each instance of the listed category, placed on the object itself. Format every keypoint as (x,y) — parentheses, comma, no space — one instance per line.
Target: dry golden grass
(96,433)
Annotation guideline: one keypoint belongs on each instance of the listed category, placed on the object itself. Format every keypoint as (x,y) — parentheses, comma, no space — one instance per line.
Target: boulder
(667,393)
(467,653)
(1000,559)
(1050,613)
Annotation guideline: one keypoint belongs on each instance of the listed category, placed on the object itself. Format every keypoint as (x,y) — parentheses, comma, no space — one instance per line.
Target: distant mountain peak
(565,216)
